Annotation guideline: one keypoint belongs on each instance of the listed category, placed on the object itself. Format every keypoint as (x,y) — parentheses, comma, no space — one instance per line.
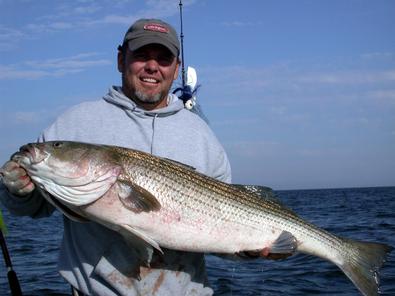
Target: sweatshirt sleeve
(33,205)
(218,162)
(222,170)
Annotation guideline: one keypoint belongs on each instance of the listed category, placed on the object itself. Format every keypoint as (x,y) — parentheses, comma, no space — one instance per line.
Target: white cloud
(238,122)
(37,28)
(237,23)
(254,149)
(295,81)
(79,61)
(85,16)
(90,9)
(27,117)
(116,19)
(52,67)
(61,26)
(378,55)
(89,15)
(9,37)
(349,77)
(154,9)
(7,33)
(385,94)
(19,119)
(12,72)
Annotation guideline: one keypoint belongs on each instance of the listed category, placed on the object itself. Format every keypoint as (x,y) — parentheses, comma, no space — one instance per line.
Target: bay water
(359,213)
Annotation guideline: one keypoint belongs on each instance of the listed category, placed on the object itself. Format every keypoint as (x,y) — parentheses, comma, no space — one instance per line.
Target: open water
(359,213)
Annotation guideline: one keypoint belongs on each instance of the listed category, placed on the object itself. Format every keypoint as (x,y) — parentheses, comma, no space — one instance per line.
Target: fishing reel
(189,89)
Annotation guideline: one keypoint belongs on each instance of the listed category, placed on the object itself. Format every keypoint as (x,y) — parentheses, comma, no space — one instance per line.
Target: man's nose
(151,65)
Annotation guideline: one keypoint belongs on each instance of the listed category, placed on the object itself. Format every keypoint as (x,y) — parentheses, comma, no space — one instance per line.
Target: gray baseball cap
(152,31)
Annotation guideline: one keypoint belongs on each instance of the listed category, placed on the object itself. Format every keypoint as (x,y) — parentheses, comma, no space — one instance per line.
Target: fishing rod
(182,46)
(186,89)
(189,86)
(11,274)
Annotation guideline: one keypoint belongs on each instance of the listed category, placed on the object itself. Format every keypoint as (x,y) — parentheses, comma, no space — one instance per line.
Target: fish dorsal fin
(262,191)
(136,198)
(265,193)
(185,166)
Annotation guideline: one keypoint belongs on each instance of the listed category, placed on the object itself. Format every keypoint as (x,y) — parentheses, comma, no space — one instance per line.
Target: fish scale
(218,196)
(222,194)
(168,204)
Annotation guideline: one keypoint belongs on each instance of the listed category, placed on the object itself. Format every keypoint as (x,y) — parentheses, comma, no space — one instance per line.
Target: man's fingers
(265,253)
(12,171)
(9,165)
(26,190)
(16,179)
(20,181)
(15,174)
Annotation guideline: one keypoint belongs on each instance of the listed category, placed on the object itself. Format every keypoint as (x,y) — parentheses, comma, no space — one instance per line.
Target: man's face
(147,75)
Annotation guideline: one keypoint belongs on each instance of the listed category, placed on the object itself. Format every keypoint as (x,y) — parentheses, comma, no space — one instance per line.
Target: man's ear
(120,61)
(176,71)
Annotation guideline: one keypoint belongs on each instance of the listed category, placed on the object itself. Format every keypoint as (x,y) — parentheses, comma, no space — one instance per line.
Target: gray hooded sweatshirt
(96,260)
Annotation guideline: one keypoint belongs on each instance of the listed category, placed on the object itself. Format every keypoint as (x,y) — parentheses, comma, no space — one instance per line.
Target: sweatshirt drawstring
(153,133)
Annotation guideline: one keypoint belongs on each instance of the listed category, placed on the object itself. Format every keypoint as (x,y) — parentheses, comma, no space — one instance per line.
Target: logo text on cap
(156,28)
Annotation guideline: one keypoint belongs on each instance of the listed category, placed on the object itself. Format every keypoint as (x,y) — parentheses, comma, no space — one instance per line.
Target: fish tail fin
(363,264)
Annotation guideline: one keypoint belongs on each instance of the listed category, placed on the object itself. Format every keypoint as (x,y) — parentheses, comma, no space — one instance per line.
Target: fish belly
(173,229)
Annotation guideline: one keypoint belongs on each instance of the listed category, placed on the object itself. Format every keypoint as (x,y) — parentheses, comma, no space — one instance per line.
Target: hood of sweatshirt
(116,97)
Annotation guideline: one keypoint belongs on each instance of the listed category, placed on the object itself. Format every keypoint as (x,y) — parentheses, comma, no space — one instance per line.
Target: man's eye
(139,56)
(165,60)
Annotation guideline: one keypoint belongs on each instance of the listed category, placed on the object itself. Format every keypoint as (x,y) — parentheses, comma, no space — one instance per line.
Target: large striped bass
(167,204)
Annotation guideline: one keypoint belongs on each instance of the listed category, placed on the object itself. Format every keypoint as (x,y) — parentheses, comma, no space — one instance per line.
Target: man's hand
(16,179)
(265,254)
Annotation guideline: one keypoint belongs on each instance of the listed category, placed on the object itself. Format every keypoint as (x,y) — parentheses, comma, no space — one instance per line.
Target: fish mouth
(29,154)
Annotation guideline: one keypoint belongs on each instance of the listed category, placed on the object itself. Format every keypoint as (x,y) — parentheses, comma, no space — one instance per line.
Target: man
(141,114)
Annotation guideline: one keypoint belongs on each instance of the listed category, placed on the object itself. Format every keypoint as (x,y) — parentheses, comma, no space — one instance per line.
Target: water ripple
(359,213)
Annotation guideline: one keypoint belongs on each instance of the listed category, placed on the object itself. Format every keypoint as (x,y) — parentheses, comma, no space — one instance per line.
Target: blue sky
(300,93)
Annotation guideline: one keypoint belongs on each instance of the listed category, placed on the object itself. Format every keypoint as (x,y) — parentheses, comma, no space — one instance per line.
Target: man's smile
(149,80)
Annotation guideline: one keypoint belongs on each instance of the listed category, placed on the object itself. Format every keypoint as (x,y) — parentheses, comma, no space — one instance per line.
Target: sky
(300,93)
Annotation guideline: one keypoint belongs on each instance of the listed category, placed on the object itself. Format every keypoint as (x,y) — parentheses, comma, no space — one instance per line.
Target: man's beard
(148,99)
(138,95)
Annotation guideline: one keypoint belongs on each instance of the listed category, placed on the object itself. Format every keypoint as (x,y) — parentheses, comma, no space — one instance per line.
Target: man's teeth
(151,80)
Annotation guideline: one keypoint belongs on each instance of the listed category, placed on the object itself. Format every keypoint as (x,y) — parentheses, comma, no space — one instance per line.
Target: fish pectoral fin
(142,236)
(284,246)
(286,243)
(136,198)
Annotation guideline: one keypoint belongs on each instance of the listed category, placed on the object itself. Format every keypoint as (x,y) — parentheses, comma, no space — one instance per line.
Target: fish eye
(57,144)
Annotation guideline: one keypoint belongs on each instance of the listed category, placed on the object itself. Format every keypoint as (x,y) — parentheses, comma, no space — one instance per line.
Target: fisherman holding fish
(143,115)
(154,176)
